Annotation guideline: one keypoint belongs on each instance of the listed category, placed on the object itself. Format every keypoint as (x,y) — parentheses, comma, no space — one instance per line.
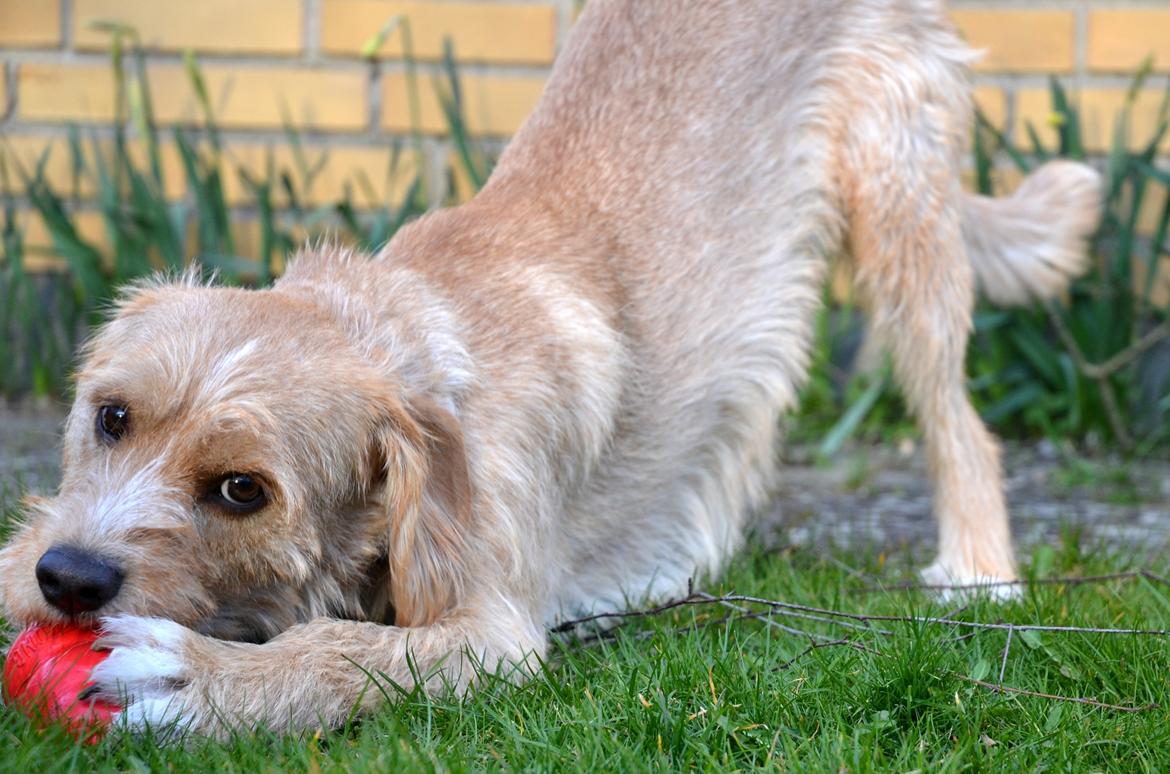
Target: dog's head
(233,462)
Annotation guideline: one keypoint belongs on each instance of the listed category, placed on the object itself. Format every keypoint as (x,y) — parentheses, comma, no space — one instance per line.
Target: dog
(556,398)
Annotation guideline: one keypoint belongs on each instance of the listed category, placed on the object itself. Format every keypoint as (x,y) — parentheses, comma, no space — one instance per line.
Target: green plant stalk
(401,24)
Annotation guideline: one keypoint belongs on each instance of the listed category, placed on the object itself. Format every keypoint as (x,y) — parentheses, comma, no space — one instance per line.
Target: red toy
(47,669)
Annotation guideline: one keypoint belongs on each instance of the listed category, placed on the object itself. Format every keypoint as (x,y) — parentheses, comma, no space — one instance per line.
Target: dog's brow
(129,498)
(242,419)
(228,374)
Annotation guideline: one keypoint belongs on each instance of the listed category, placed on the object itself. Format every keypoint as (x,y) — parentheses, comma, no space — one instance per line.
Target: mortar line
(1080,45)
(66,10)
(311,40)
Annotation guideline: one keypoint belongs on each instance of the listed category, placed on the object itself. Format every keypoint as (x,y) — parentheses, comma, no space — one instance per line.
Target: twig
(957,611)
(1100,372)
(778,605)
(791,614)
(999,688)
(763,617)
(1018,627)
(844,641)
(608,635)
(1155,577)
(935,620)
(690,599)
(1127,355)
(781,608)
(851,570)
(1007,646)
(1068,581)
(760,616)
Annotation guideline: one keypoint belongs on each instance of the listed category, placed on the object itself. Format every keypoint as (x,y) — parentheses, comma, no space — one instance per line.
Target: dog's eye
(241,491)
(112,422)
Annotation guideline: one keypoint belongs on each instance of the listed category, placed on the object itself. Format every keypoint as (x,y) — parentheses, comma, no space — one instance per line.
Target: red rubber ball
(47,671)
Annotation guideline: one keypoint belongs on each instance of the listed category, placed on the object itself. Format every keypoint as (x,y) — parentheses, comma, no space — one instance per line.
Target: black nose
(75,581)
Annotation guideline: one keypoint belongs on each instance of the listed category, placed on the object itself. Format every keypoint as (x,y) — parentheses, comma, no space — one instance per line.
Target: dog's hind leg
(916,282)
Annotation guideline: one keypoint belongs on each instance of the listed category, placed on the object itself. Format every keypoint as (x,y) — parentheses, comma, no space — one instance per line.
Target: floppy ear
(429,500)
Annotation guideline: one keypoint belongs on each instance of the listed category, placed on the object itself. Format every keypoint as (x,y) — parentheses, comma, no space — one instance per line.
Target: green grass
(1110,481)
(688,689)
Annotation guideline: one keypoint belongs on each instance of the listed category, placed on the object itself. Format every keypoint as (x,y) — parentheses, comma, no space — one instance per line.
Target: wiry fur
(1027,246)
(562,395)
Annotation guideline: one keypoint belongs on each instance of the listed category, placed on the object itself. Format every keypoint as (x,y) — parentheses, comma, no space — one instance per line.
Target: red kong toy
(47,672)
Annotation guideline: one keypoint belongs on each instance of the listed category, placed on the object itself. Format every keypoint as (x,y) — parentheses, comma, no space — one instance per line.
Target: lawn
(702,686)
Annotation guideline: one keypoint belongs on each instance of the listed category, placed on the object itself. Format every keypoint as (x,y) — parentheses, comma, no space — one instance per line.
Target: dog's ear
(429,498)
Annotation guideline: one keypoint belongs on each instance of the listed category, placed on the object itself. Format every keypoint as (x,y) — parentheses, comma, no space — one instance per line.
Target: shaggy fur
(560,396)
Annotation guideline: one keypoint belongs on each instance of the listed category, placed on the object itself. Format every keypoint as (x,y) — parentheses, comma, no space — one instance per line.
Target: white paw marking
(165,717)
(954,586)
(144,671)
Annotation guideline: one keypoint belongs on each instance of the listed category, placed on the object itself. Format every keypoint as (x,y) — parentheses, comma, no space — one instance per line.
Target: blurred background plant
(1092,369)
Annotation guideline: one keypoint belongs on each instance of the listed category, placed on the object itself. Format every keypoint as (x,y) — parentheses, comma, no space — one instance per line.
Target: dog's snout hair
(558,397)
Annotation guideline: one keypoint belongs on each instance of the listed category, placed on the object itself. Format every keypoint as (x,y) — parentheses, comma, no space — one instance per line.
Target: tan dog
(558,397)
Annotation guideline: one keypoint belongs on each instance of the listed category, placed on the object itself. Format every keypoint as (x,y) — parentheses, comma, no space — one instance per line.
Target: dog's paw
(953,585)
(146,672)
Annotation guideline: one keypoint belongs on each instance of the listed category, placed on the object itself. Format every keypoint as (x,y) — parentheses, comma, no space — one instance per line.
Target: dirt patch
(30,454)
(879,497)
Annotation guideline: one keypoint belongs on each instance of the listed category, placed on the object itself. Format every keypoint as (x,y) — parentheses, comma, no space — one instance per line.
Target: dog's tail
(1031,244)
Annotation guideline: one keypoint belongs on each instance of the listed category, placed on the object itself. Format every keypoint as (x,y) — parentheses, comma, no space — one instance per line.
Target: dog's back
(721,151)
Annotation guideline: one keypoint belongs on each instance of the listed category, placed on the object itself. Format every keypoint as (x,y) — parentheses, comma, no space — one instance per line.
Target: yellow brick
(332,169)
(1160,288)
(1098,108)
(241,96)
(247,239)
(245,97)
(492,104)
(1119,39)
(496,32)
(337,166)
(89,224)
(1004,179)
(1153,201)
(30,23)
(1020,41)
(58,169)
(44,263)
(254,26)
(50,92)
(462,188)
(23,153)
(990,101)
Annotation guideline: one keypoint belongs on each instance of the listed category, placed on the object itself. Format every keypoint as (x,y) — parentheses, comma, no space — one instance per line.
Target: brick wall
(268,61)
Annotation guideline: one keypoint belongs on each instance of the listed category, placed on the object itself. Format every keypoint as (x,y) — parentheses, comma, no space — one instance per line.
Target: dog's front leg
(315,675)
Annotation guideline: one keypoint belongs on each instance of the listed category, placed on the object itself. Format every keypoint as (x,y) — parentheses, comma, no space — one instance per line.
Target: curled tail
(1030,245)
